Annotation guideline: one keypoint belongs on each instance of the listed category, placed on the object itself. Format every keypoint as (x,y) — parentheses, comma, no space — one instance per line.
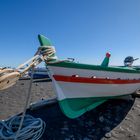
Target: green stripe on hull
(76,107)
(94,67)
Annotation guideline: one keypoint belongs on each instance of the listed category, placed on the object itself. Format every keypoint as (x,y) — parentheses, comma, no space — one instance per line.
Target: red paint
(94,80)
(108,55)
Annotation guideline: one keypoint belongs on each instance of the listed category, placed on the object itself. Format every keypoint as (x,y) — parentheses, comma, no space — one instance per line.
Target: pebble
(62,132)
(93,130)
(138,106)
(133,108)
(131,135)
(117,119)
(122,129)
(107,129)
(103,138)
(67,139)
(90,136)
(72,137)
(108,135)
(90,123)
(126,118)
(65,129)
(86,138)
(101,119)
(81,123)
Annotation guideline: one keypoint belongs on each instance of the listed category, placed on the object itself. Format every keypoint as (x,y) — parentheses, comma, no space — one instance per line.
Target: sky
(81,29)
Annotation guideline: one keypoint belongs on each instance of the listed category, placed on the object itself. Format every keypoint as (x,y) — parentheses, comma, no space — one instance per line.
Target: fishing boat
(82,87)
(78,87)
(39,73)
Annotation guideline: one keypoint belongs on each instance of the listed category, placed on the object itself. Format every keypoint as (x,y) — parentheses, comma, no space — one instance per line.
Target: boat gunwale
(121,69)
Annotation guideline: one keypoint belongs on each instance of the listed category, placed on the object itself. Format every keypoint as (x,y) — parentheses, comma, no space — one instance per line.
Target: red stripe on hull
(94,80)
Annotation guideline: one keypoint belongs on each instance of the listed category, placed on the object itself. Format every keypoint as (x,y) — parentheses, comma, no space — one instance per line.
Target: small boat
(82,87)
(39,73)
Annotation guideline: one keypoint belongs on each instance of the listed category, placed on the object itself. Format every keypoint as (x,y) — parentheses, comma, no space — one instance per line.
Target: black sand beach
(114,120)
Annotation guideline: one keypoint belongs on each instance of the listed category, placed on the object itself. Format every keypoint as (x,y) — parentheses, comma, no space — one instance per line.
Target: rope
(8,77)
(22,127)
(26,104)
(32,128)
(48,53)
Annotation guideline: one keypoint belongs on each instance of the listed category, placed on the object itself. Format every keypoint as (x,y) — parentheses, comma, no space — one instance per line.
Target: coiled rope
(24,127)
(32,128)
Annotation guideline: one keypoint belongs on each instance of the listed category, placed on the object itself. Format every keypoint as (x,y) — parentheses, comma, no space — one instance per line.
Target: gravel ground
(114,120)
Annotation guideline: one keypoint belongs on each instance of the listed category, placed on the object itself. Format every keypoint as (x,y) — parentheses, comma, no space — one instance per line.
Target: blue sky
(82,29)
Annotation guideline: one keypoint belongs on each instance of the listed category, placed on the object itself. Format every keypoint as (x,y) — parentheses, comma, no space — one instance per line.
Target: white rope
(26,103)
(8,77)
(22,127)
(32,128)
(48,53)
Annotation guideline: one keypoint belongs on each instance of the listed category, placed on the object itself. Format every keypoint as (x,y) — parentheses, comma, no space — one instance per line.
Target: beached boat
(79,87)
(39,73)
(82,87)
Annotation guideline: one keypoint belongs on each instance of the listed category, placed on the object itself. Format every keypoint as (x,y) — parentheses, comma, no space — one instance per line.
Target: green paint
(75,107)
(106,60)
(94,67)
(45,44)
(44,41)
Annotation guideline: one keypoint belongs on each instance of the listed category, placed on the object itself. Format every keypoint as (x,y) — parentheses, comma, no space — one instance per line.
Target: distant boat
(39,73)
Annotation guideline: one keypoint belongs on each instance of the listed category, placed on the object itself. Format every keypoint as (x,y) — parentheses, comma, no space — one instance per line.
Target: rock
(67,139)
(103,138)
(133,108)
(106,129)
(117,119)
(90,123)
(138,105)
(62,132)
(72,137)
(86,138)
(65,129)
(108,135)
(126,118)
(93,130)
(136,94)
(131,135)
(101,119)
(122,129)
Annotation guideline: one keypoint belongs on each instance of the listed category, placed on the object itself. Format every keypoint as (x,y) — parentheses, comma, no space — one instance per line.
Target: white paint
(82,90)
(90,73)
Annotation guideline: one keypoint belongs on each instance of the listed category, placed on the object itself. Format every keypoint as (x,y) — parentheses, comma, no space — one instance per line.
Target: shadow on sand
(93,125)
